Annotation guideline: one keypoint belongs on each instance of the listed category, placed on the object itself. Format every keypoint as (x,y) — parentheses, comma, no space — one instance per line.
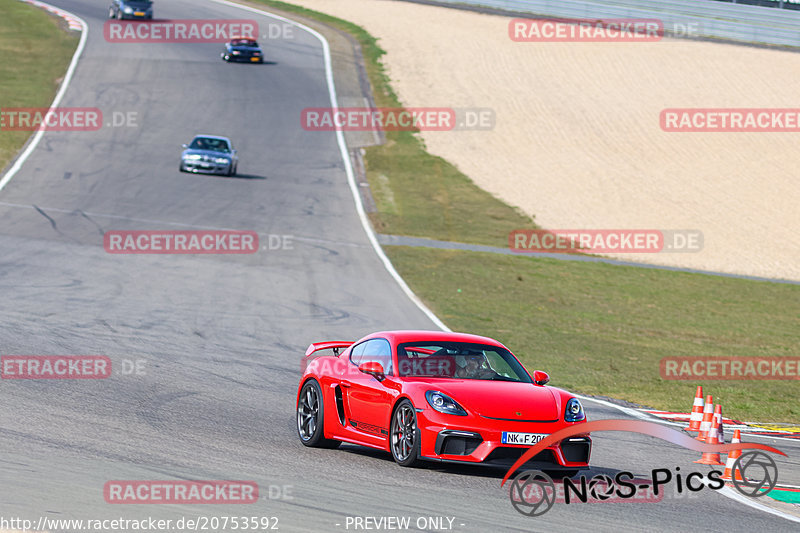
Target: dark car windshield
(206,143)
(244,42)
(459,360)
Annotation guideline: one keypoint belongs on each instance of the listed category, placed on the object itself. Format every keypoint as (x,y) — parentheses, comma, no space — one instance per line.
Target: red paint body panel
(358,407)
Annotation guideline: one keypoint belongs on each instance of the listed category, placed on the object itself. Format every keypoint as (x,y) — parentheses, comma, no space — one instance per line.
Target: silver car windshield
(205,143)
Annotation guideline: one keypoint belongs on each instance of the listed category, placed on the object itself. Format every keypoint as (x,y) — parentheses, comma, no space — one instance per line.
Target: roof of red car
(398,336)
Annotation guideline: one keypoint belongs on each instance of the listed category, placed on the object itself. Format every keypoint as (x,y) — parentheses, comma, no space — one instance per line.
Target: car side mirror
(185,145)
(540,378)
(374,369)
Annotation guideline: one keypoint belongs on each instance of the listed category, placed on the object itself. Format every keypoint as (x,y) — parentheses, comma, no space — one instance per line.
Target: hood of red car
(503,399)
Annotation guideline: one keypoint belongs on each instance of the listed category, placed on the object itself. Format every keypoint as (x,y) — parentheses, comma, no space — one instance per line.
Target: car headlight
(236,52)
(193,157)
(222,160)
(443,403)
(128,10)
(574,411)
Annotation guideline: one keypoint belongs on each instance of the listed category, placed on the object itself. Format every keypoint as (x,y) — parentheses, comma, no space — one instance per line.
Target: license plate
(523,438)
(253,59)
(138,13)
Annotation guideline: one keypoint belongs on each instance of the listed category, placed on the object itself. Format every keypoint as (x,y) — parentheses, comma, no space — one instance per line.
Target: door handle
(346,384)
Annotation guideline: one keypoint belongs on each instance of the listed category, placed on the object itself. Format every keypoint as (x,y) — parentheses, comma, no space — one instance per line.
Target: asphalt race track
(219,337)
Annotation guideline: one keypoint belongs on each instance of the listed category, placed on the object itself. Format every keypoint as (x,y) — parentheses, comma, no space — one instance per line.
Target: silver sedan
(209,154)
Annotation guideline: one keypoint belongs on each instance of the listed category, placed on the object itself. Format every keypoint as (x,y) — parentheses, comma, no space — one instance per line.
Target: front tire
(310,417)
(404,435)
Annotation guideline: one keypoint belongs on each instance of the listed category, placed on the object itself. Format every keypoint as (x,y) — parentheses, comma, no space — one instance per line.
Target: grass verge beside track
(596,328)
(602,329)
(37,52)
(417,193)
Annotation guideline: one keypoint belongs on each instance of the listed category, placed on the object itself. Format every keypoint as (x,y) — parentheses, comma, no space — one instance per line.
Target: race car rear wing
(327,345)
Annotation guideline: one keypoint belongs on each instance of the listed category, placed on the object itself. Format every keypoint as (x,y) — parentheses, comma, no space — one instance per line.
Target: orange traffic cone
(718,417)
(708,416)
(735,454)
(709,458)
(697,411)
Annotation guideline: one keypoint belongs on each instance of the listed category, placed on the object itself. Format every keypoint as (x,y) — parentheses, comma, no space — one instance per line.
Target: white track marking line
(347,164)
(750,502)
(371,235)
(59,95)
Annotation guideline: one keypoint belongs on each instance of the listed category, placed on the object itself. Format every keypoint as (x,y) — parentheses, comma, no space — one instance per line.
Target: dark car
(131,9)
(209,154)
(243,49)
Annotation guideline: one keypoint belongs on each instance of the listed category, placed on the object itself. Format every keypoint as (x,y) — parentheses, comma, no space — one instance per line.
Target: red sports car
(430,395)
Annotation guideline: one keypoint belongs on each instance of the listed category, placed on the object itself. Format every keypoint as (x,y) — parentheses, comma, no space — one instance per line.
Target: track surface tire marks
(221,336)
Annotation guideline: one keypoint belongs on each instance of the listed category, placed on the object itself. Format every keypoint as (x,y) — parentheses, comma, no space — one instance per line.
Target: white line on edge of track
(59,95)
(371,235)
(347,165)
(353,189)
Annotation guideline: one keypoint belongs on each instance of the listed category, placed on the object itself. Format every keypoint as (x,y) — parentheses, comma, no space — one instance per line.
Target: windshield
(206,143)
(459,360)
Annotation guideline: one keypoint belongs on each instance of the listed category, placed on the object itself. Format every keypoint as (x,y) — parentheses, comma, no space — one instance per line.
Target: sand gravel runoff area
(578,141)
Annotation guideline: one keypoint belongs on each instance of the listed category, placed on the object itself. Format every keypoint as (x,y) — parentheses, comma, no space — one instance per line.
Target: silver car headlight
(128,10)
(193,157)
(236,52)
(222,161)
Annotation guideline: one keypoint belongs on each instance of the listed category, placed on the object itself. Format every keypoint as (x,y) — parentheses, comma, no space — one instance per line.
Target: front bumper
(246,59)
(134,16)
(472,439)
(201,167)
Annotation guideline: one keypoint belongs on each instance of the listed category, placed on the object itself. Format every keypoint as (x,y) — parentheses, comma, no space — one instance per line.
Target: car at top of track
(209,154)
(439,396)
(243,49)
(131,9)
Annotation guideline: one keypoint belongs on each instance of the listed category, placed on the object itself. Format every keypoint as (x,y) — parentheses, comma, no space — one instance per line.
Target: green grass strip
(37,51)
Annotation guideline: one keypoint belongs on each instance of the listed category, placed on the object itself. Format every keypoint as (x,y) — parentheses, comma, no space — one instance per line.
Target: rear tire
(404,435)
(310,417)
